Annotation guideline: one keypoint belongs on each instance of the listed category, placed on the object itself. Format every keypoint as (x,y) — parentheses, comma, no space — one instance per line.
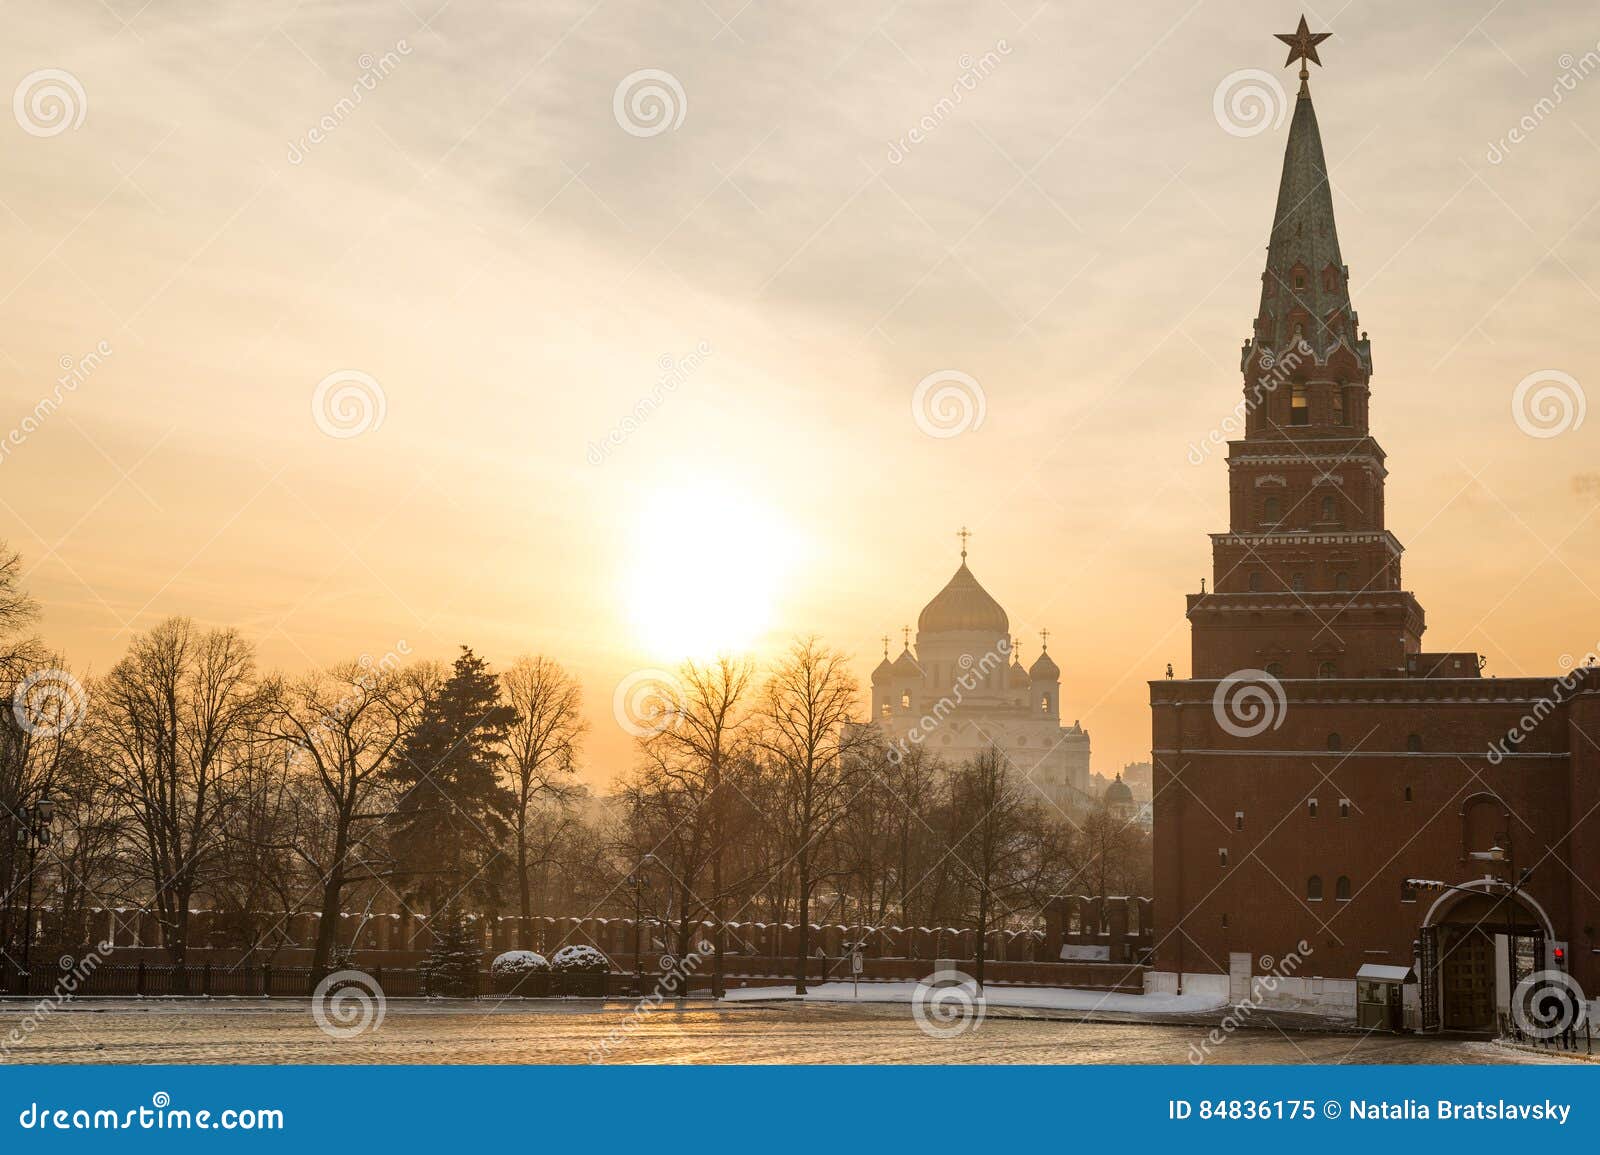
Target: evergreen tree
(451,968)
(453,820)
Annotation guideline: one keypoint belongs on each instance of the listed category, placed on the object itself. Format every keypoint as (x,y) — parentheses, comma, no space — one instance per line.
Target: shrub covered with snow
(580,960)
(520,962)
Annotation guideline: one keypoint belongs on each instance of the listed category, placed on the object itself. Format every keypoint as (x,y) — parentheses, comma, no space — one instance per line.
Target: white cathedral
(963,691)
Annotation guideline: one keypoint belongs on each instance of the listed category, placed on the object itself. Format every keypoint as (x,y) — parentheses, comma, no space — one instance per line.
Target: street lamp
(640,885)
(33,832)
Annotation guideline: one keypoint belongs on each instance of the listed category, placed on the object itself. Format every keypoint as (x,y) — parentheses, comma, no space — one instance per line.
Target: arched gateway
(1457,952)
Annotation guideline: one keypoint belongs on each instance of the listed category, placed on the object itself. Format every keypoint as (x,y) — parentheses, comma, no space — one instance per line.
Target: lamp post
(640,885)
(33,832)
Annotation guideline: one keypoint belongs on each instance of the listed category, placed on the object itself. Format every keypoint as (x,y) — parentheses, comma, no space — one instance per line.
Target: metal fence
(137,980)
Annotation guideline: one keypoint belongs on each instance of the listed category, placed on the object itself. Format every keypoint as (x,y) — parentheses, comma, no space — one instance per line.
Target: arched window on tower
(1327,670)
(905,701)
(1299,406)
(1314,888)
(1338,403)
(1335,742)
(1270,511)
(1274,669)
(1255,581)
(1327,509)
(1341,889)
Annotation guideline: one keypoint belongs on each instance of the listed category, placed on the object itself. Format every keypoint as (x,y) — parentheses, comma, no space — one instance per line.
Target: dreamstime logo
(348,1004)
(1548,403)
(673,983)
(48,702)
(1573,70)
(1277,971)
(1248,102)
(1249,702)
(1275,370)
(1580,675)
(674,372)
(74,973)
(973,72)
(348,403)
(947,1004)
(74,372)
(975,673)
(1547,1004)
(48,102)
(374,70)
(948,403)
(646,703)
(649,102)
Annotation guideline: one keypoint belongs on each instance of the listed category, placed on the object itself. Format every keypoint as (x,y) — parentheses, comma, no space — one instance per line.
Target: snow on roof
(1384,973)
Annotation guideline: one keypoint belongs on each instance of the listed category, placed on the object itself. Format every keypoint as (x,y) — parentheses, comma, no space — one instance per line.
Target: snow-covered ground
(1038,998)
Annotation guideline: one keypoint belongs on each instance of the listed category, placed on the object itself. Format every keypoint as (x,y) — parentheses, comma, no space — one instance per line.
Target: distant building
(1138,777)
(963,690)
(1319,765)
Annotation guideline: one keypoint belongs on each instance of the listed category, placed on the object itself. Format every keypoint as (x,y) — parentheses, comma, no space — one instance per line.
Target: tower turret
(1306,582)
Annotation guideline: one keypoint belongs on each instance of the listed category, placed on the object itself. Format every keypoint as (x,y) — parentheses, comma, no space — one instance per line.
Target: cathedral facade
(962,690)
(1324,788)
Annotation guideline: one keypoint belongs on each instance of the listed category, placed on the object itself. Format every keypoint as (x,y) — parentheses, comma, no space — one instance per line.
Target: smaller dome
(1118,791)
(905,666)
(1045,670)
(1018,676)
(883,673)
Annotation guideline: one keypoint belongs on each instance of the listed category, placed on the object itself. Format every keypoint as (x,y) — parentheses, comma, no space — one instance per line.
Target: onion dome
(963,606)
(884,672)
(1018,678)
(1118,791)
(1044,670)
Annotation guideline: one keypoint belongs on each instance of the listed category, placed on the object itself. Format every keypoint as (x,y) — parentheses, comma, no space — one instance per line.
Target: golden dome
(963,606)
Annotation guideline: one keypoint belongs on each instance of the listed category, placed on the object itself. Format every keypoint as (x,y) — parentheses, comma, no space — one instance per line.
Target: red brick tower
(1306,582)
(1295,811)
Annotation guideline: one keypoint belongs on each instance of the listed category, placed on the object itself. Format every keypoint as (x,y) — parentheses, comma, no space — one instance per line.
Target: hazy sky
(510,268)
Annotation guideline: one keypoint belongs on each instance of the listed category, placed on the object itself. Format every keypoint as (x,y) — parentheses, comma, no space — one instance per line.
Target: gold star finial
(1302,44)
(964,535)
(1044,639)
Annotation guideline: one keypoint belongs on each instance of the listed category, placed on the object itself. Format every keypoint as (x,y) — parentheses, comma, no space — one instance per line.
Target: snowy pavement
(1035,998)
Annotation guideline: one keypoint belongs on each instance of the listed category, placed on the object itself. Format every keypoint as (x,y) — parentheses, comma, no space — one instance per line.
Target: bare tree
(994,850)
(259,879)
(170,727)
(809,702)
(343,725)
(541,752)
(17,612)
(1114,854)
(697,749)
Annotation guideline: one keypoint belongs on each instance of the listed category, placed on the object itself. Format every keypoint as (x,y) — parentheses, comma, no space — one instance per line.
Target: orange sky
(481,238)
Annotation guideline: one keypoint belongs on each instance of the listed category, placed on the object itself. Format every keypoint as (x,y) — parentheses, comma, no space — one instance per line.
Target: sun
(708,562)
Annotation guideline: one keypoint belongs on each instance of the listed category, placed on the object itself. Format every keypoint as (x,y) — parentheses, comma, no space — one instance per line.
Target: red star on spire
(1302,44)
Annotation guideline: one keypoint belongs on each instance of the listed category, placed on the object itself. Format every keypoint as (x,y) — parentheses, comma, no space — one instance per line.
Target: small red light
(1560,954)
